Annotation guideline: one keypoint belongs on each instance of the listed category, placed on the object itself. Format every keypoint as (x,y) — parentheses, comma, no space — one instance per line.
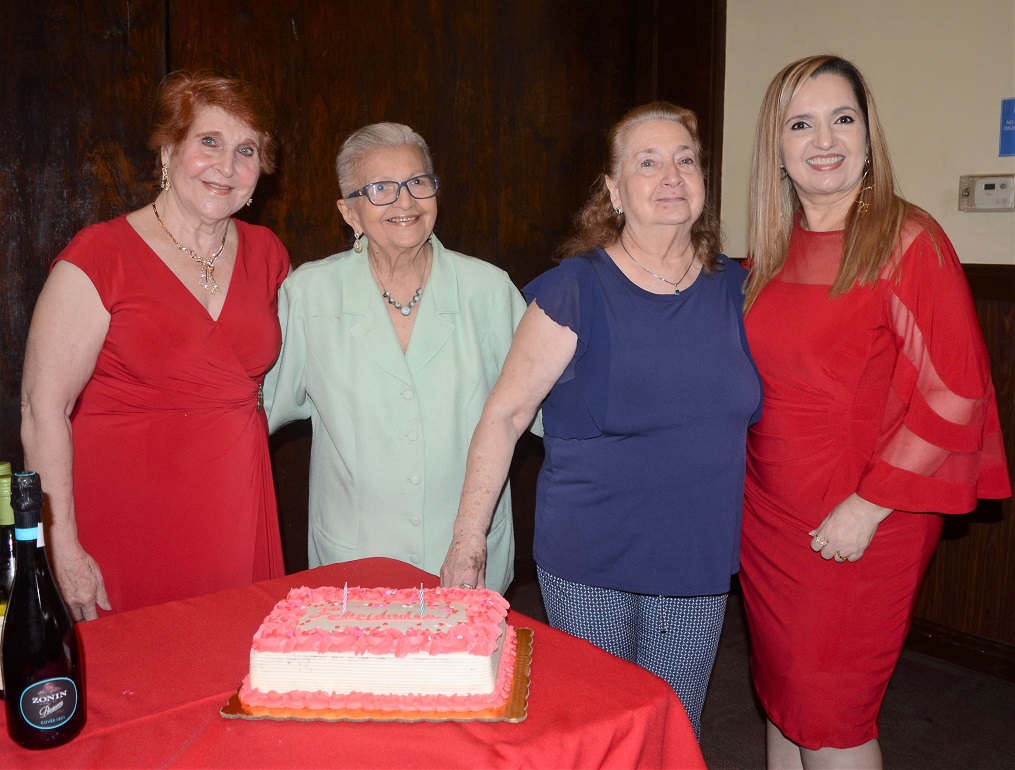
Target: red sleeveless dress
(173,491)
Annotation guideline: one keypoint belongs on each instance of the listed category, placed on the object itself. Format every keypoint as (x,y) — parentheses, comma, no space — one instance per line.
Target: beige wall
(938,69)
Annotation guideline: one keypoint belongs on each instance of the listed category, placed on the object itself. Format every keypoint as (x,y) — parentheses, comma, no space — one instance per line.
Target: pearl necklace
(405,309)
(207,279)
(675,285)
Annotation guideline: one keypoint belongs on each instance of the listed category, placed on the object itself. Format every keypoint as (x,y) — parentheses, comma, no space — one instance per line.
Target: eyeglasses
(385,193)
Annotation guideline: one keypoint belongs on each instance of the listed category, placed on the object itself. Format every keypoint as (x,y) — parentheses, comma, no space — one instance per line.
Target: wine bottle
(45,694)
(6,548)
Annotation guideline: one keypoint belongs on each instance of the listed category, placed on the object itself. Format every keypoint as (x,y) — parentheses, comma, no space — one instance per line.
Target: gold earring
(165,184)
(249,201)
(357,244)
(861,204)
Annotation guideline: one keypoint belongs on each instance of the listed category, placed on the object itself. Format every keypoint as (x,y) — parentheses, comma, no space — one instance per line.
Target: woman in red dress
(879,414)
(140,396)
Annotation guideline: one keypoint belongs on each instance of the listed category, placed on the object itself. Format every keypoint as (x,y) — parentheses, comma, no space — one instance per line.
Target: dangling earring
(357,244)
(861,204)
(249,201)
(165,184)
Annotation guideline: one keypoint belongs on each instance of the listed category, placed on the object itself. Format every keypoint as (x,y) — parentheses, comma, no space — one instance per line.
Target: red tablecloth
(157,677)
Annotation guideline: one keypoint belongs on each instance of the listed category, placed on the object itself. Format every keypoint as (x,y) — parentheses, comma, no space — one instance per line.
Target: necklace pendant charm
(405,310)
(207,280)
(676,292)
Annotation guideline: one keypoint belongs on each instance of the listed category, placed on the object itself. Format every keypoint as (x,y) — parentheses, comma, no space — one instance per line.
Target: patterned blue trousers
(674,637)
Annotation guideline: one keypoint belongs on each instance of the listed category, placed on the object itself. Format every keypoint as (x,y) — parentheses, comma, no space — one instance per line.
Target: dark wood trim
(717,95)
(991,281)
(963,613)
(962,649)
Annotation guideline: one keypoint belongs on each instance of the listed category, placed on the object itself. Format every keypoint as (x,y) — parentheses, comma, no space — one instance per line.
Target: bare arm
(67,331)
(539,353)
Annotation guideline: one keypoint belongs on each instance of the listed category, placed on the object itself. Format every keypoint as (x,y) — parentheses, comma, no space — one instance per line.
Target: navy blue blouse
(645,431)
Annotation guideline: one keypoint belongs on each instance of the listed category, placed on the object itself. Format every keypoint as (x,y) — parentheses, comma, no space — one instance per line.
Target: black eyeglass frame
(362,192)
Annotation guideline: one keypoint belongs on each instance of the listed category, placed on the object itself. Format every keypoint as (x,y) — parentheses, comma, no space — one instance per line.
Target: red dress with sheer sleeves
(173,491)
(886,392)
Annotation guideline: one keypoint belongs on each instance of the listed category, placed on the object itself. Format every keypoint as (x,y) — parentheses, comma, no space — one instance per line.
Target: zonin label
(50,703)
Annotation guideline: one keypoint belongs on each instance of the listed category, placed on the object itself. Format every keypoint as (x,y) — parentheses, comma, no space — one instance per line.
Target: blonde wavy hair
(873,226)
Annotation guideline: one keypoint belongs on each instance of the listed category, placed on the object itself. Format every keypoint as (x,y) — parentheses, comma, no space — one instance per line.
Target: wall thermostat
(987,193)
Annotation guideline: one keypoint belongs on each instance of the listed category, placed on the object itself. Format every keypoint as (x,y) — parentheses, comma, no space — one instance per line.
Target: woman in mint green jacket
(390,349)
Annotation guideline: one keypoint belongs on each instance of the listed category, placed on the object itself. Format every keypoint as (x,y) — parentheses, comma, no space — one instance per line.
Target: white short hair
(376,136)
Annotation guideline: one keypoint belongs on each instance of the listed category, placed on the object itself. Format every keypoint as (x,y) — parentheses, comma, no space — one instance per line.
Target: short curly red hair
(181,94)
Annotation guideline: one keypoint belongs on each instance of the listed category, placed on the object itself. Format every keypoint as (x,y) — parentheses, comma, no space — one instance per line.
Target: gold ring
(839,557)
(466,585)
(821,541)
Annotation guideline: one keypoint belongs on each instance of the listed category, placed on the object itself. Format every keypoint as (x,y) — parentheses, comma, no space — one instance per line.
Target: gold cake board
(514,708)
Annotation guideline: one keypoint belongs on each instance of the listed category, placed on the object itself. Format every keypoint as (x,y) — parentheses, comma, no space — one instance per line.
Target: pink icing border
(485,612)
(405,703)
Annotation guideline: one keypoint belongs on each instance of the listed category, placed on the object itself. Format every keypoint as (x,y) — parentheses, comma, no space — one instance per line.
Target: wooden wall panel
(513,97)
(76,80)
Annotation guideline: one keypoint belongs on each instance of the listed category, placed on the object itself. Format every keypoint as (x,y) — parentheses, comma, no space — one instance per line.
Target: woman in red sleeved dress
(149,342)
(879,414)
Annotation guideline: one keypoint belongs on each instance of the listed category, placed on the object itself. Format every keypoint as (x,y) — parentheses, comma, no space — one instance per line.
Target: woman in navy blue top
(635,349)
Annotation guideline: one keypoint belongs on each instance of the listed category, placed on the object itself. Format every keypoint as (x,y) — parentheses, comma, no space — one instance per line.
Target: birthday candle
(421,600)
(345,597)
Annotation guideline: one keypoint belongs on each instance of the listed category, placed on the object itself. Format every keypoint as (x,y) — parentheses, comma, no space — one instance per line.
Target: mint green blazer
(391,430)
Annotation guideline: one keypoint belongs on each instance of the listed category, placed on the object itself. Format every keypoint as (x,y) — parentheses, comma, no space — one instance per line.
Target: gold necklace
(676,291)
(207,279)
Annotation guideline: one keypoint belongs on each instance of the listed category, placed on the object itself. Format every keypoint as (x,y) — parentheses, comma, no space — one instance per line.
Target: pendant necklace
(676,291)
(207,279)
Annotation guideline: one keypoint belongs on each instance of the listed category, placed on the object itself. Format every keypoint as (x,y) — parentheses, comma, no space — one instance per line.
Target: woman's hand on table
(848,529)
(465,564)
(80,580)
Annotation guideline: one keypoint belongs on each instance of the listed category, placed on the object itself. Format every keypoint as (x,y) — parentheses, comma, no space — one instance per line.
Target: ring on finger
(839,557)
(466,585)
(821,541)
